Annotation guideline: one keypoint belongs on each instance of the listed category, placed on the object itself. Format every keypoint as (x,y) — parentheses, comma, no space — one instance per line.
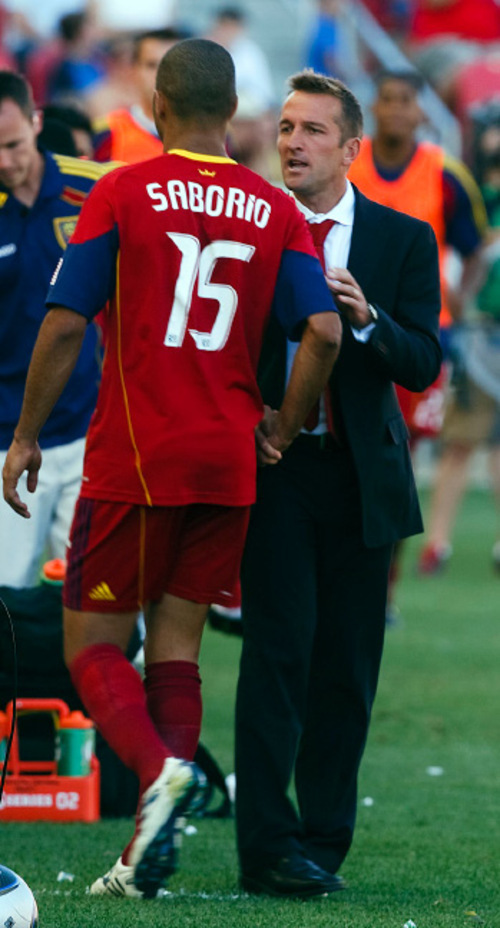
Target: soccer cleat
(433,558)
(119,881)
(153,855)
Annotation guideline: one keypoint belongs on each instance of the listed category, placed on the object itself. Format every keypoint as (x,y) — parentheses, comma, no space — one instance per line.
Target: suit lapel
(367,243)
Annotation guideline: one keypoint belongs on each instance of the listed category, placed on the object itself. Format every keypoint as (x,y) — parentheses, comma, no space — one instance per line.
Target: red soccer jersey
(193,253)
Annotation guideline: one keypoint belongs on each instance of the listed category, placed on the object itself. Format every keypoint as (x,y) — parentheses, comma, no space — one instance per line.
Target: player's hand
(266,440)
(349,297)
(21,456)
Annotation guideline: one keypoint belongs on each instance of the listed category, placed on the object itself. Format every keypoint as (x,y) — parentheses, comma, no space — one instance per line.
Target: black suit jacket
(394,259)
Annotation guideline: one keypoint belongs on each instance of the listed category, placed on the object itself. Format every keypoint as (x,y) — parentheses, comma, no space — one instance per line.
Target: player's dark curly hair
(197,78)
(351,121)
(16,88)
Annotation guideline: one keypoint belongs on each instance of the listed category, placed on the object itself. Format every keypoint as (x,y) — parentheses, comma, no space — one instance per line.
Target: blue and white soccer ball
(18,908)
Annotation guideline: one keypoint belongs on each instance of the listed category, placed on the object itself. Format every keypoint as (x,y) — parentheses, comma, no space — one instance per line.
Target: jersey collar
(196,156)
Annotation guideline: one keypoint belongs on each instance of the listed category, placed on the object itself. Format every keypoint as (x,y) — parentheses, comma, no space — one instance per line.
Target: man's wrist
(370,318)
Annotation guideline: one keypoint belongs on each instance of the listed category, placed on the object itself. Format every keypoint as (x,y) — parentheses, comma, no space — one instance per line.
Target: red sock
(113,693)
(173,692)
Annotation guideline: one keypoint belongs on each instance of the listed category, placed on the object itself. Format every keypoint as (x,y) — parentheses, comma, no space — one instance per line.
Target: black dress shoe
(292,878)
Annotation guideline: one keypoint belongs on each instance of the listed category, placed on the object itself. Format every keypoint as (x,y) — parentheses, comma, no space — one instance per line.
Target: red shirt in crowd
(477,20)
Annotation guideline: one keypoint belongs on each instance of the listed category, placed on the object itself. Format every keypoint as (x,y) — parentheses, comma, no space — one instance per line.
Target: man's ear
(351,150)
(37,121)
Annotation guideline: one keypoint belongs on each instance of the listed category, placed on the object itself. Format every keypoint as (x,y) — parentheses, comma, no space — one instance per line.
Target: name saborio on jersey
(212,200)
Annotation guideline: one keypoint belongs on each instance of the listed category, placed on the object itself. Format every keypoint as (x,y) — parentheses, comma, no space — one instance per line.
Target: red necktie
(319,231)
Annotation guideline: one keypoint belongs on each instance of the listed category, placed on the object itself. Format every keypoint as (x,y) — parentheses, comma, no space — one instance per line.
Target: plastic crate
(34,791)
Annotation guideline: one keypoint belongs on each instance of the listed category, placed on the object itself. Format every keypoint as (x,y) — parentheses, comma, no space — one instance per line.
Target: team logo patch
(102,592)
(207,173)
(64,228)
(3,198)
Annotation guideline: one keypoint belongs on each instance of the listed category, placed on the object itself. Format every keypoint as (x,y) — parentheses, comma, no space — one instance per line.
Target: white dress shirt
(336,252)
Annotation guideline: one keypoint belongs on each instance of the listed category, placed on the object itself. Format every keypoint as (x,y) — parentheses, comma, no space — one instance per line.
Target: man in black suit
(317,557)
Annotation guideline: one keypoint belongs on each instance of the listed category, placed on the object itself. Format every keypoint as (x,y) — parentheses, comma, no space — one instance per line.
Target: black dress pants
(314,599)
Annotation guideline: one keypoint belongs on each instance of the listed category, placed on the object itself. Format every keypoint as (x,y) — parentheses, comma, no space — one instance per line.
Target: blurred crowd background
(88,60)
(82,52)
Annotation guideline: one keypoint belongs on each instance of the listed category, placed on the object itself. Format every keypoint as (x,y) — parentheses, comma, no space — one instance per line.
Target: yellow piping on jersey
(78,167)
(469,184)
(124,388)
(197,156)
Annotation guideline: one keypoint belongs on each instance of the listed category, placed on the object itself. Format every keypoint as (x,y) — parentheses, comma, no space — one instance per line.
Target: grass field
(427,848)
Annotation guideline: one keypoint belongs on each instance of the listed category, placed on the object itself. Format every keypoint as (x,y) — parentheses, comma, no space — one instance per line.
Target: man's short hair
(351,120)
(197,78)
(168,34)
(71,26)
(16,88)
(409,76)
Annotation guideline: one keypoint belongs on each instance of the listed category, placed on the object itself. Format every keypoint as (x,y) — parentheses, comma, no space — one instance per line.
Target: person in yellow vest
(420,178)
(129,134)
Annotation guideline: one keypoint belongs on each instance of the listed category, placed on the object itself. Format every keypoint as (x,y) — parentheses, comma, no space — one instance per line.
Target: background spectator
(398,170)
(322,52)
(447,34)
(116,17)
(82,63)
(472,415)
(77,121)
(129,134)
(41,196)
(253,74)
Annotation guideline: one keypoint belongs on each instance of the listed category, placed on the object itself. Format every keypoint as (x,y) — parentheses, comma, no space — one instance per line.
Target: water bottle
(75,745)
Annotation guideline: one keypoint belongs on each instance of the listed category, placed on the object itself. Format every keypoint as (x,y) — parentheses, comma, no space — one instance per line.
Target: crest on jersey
(64,228)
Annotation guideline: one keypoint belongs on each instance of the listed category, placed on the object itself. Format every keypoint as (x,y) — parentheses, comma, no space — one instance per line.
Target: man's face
(397,111)
(151,51)
(18,151)
(314,160)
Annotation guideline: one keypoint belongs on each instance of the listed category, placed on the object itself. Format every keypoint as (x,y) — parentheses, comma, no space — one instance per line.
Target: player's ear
(159,110)
(235,107)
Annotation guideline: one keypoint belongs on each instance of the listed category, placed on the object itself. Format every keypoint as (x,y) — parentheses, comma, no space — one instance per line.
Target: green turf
(426,849)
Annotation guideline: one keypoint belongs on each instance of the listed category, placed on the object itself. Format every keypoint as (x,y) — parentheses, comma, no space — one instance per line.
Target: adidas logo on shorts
(102,592)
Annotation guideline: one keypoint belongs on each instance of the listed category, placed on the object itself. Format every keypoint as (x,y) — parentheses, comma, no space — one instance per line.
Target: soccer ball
(18,908)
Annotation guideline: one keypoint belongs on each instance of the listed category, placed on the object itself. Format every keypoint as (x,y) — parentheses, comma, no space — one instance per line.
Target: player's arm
(304,307)
(317,352)
(54,357)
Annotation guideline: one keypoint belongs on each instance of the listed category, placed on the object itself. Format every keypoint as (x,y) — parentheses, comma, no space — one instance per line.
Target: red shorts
(121,556)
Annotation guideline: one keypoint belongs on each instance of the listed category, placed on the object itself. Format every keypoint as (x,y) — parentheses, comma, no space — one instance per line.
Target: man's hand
(268,443)
(21,456)
(349,297)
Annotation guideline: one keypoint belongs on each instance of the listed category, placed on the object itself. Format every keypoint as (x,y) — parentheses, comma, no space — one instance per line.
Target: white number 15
(200,263)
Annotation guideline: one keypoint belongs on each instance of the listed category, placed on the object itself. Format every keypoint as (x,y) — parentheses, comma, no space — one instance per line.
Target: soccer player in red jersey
(194,255)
